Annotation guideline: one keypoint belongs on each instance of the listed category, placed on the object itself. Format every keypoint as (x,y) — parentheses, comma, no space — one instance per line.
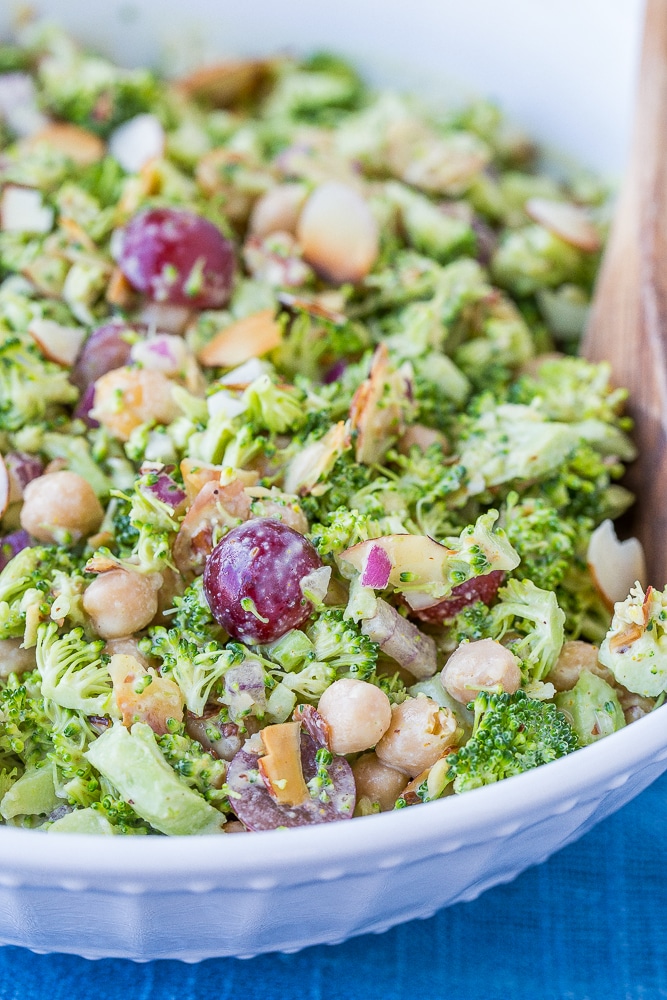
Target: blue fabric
(590,924)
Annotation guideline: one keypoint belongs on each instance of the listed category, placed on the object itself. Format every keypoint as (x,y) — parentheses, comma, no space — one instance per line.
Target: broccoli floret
(199,769)
(24,727)
(76,453)
(512,733)
(346,478)
(310,682)
(155,523)
(312,345)
(544,539)
(193,616)
(511,442)
(341,644)
(427,228)
(341,529)
(72,671)
(532,258)
(273,408)
(573,389)
(37,582)
(29,385)
(196,669)
(536,616)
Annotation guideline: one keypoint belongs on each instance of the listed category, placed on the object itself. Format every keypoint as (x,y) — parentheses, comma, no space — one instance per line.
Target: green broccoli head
(72,670)
(512,733)
(536,616)
(198,769)
(46,578)
(340,643)
(197,669)
(29,385)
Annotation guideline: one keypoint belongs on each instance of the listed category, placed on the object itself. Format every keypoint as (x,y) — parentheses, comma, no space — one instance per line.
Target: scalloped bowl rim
(433,828)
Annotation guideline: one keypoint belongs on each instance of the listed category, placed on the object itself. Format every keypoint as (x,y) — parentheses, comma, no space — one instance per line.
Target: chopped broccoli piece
(73,674)
(532,258)
(512,733)
(39,580)
(196,669)
(199,769)
(591,707)
(535,615)
(340,643)
(29,385)
(134,764)
(544,539)
(341,529)
(273,408)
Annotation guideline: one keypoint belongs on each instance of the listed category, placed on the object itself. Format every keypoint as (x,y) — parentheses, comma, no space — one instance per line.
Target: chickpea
(128,397)
(278,210)
(480,666)
(14,659)
(377,782)
(357,713)
(60,507)
(338,233)
(419,734)
(121,602)
(574,657)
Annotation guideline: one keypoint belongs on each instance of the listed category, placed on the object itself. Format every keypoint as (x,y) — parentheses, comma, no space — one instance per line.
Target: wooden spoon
(628,323)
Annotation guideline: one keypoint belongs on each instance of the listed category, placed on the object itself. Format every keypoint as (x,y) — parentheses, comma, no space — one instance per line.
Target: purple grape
(176,257)
(252,578)
(12,544)
(105,350)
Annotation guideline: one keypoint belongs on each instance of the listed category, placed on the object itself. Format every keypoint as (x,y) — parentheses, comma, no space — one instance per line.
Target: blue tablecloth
(590,924)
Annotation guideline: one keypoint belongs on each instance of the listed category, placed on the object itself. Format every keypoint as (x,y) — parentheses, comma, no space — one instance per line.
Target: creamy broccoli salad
(306,504)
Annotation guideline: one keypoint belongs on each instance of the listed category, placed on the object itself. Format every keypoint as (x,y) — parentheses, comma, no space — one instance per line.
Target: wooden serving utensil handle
(628,323)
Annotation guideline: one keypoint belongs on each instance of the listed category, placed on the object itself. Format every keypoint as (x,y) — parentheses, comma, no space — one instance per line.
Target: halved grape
(480,588)
(252,580)
(332,795)
(176,257)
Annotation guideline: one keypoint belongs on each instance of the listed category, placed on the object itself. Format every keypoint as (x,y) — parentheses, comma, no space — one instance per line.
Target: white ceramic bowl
(564,71)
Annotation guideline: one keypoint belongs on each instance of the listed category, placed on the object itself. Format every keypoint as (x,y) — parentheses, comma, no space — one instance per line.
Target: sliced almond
(569,222)
(80,145)
(251,337)
(57,343)
(197,474)
(281,767)
(227,82)
(22,210)
(615,566)
(4,487)
(136,142)
(119,290)
(313,462)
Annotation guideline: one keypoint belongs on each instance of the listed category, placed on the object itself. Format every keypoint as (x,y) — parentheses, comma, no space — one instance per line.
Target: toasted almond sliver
(227,82)
(569,222)
(78,144)
(625,638)
(119,290)
(251,337)
(615,566)
(57,343)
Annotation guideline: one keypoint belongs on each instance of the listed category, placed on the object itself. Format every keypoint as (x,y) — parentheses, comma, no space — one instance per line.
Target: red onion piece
(402,641)
(244,688)
(12,544)
(377,569)
(22,468)
(85,405)
(166,490)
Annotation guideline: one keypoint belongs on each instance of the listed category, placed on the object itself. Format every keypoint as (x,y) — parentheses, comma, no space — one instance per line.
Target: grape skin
(252,580)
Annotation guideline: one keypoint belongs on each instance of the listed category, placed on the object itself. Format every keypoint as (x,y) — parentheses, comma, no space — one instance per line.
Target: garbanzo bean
(420,733)
(377,782)
(121,602)
(357,714)
(60,507)
(483,665)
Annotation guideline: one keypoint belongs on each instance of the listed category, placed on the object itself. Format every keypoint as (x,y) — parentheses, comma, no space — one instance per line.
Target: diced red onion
(402,641)
(85,405)
(12,544)
(244,687)
(377,569)
(335,373)
(166,490)
(22,468)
